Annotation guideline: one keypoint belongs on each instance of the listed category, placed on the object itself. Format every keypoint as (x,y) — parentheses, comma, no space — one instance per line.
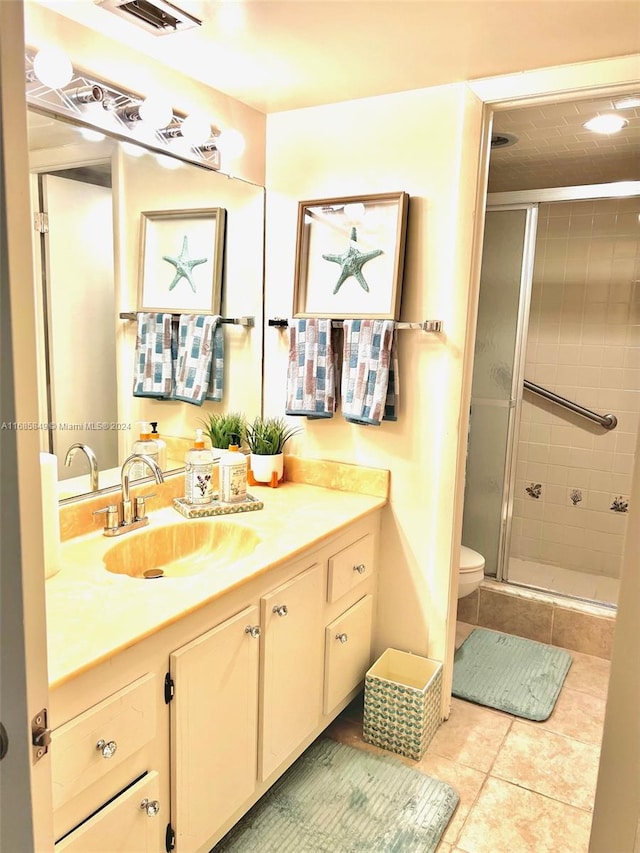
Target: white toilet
(471,571)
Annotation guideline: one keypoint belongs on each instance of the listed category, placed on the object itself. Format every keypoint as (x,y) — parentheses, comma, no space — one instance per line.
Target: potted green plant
(224,429)
(266,438)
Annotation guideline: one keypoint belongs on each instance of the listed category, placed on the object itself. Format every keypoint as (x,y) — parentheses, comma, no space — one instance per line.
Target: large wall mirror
(87,262)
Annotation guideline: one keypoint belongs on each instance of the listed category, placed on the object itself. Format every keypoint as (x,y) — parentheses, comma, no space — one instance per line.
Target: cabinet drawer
(350,566)
(126,719)
(122,826)
(347,652)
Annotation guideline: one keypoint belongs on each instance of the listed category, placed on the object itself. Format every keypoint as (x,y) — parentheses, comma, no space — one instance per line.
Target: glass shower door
(505,290)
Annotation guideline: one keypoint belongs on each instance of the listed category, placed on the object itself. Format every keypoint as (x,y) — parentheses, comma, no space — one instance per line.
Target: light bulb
(133,150)
(231,143)
(52,67)
(196,128)
(156,112)
(168,162)
(92,135)
(606,123)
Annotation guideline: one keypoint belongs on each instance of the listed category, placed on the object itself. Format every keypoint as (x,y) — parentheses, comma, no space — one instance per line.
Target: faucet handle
(113,519)
(140,505)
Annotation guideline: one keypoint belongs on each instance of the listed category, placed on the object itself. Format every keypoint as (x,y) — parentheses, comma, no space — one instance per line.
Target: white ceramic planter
(262,467)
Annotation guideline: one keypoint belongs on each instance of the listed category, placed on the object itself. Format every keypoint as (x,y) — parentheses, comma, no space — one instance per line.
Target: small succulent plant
(268,436)
(224,429)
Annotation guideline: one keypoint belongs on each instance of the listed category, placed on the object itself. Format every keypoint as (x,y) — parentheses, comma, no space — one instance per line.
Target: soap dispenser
(233,474)
(162,445)
(144,444)
(198,465)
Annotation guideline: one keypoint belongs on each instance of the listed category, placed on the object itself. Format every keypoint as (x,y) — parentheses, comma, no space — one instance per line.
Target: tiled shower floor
(564,581)
(524,787)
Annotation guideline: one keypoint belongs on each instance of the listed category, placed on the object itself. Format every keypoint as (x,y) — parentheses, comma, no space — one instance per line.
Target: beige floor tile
(443,847)
(463,629)
(558,767)
(471,736)
(588,674)
(466,781)
(508,819)
(576,715)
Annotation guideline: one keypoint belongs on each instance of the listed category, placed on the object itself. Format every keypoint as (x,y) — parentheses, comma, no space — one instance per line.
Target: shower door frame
(517,377)
(515,200)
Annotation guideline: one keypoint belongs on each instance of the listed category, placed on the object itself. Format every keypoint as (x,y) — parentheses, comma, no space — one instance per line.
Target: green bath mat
(515,675)
(339,799)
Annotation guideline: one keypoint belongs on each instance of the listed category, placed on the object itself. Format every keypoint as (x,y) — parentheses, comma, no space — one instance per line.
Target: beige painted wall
(425,143)
(616,813)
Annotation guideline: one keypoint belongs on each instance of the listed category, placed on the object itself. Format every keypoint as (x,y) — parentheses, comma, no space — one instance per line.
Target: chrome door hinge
(169,688)
(40,735)
(41,222)
(169,839)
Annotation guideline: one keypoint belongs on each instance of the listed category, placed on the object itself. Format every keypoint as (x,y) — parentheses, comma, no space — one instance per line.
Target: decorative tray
(216,508)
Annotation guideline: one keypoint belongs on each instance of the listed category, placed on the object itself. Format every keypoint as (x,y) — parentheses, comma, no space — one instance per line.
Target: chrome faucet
(93,462)
(123,517)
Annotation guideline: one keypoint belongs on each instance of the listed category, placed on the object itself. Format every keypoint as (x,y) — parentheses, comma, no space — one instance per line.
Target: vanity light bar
(425,326)
(249,322)
(107,108)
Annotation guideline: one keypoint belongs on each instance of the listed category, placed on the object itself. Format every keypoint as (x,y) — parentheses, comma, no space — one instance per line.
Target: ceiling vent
(155,16)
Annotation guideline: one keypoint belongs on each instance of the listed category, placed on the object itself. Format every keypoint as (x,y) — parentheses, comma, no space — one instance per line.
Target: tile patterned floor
(524,787)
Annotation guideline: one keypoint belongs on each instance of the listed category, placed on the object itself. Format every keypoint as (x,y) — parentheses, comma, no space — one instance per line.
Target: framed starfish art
(350,257)
(181,260)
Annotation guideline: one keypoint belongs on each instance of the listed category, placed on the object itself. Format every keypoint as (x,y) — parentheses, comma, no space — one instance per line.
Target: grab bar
(608,421)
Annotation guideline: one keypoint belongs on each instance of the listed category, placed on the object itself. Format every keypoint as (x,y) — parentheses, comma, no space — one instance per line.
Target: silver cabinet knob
(342,637)
(253,631)
(151,807)
(281,609)
(360,568)
(107,748)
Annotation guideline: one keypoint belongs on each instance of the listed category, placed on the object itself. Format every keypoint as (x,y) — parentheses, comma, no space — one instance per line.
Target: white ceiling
(555,150)
(285,54)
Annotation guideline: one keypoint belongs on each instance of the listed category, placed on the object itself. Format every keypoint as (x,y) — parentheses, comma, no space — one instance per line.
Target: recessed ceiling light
(606,123)
(627,103)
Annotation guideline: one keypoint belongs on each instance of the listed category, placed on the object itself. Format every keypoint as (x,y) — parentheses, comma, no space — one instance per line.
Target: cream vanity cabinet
(213,708)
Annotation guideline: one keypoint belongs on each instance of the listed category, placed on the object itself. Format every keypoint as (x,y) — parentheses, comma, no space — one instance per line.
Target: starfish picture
(184,265)
(352,261)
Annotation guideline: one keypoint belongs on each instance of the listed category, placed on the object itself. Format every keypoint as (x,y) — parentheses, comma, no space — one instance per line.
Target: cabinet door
(292,666)
(127,825)
(96,742)
(214,722)
(347,652)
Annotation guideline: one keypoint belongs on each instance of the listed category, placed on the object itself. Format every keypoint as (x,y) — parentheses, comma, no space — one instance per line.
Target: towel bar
(235,321)
(425,326)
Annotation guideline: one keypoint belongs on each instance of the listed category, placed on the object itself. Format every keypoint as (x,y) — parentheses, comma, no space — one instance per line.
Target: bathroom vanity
(177,702)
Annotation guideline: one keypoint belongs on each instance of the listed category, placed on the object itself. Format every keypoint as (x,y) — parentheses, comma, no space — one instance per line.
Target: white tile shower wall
(584,344)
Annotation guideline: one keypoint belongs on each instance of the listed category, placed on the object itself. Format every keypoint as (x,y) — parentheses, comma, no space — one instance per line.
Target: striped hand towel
(153,367)
(369,372)
(311,371)
(194,357)
(216,377)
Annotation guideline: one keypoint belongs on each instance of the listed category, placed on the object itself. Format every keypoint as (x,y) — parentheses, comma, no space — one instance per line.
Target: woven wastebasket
(402,698)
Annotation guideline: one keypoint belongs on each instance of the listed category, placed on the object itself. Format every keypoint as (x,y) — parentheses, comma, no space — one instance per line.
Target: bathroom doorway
(548,484)
(547,489)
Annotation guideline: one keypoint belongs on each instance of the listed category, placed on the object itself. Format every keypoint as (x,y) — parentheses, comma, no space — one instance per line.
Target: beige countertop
(92,614)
